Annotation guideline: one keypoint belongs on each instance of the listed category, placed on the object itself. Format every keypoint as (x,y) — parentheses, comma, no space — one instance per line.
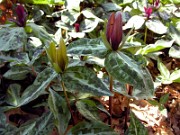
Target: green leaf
(87,47)
(163,70)
(110,6)
(59,108)
(132,22)
(75,5)
(127,71)
(88,13)
(44,2)
(159,45)
(17,73)
(88,25)
(136,127)
(12,38)
(39,85)
(17,58)
(164,98)
(174,33)
(175,76)
(40,126)
(93,128)
(156,26)
(40,32)
(174,52)
(153,102)
(87,108)
(84,80)
(13,95)
(5,128)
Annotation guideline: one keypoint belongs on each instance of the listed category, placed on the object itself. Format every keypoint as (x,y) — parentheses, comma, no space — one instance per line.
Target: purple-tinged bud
(148,11)
(114,31)
(20,16)
(77,27)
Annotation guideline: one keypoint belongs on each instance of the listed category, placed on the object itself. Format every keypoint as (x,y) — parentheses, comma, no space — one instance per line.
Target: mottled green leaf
(83,79)
(88,109)
(174,33)
(136,127)
(159,45)
(13,95)
(87,47)
(39,85)
(174,52)
(132,22)
(110,6)
(163,70)
(17,73)
(156,26)
(127,71)
(40,32)
(93,128)
(175,76)
(60,110)
(12,38)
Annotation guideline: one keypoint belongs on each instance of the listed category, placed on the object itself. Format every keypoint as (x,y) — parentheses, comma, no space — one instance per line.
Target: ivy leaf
(156,26)
(174,33)
(87,47)
(59,108)
(12,38)
(163,70)
(127,71)
(39,85)
(84,80)
(136,127)
(93,128)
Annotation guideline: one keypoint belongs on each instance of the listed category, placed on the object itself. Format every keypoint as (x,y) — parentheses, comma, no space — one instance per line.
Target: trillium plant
(63,64)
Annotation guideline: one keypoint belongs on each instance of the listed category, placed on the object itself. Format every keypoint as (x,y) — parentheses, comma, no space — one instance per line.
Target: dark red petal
(109,27)
(116,36)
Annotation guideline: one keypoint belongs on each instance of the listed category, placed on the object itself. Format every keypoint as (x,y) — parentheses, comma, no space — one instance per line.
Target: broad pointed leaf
(17,73)
(174,52)
(127,71)
(87,47)
(175,76)
(83,79)
(156,26)
(88,109)
(159,45)
(39,85)
(174,33)
(59,108)
(12,38)
(94,128)
(13,95)
(136,127)
(163,70)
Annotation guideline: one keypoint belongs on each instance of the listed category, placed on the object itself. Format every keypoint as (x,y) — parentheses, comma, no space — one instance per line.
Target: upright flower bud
(114,31)
(148,11)
(20,16)
(58,56)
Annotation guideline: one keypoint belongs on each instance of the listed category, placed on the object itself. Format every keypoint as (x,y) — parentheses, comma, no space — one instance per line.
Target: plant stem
(145,35)
(129,89)
(110,100)
(67,101)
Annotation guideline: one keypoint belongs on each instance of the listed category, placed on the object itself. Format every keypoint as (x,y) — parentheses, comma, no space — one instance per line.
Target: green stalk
(67,101)
(110,100)
(145,35)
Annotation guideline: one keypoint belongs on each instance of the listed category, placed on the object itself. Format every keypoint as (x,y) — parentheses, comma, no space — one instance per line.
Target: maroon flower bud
(148,11)
(77,27)
(114,31)
(20,16)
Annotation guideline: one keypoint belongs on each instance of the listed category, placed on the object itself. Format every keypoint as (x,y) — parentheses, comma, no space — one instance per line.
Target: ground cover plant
(72,67)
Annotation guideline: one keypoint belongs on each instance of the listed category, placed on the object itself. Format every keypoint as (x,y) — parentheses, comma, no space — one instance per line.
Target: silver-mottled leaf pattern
(127,71)
(87,47)
(83,79)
